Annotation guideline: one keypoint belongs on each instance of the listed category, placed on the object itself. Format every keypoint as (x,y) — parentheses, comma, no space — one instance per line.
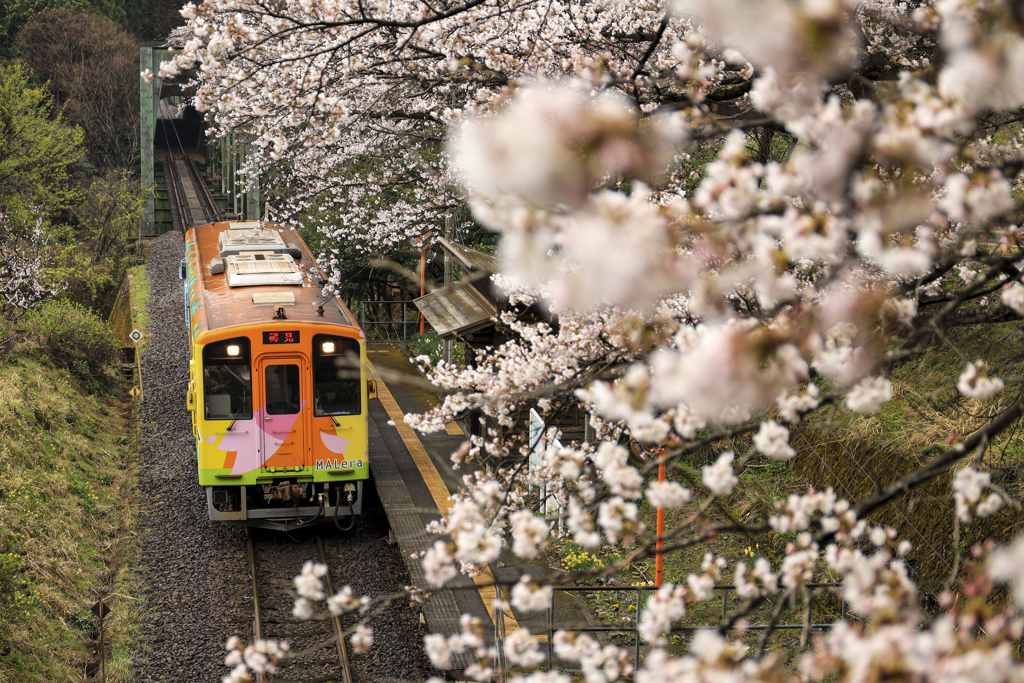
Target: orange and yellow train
(277,380)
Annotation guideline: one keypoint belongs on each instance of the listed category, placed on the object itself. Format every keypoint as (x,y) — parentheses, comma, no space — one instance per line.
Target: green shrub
(75,338)
(429,344)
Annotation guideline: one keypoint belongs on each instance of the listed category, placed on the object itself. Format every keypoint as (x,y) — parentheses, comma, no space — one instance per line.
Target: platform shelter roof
(472,259)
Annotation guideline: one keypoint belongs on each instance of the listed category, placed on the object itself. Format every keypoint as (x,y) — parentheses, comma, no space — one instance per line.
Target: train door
(285,387)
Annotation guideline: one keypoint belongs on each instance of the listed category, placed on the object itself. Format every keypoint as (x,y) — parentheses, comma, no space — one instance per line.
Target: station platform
(414,477)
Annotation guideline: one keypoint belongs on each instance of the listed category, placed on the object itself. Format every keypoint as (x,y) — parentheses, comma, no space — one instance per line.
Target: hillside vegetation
(68,511)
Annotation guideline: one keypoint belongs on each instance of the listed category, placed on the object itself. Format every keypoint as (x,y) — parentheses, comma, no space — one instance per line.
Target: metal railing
(639,591)
(400,326)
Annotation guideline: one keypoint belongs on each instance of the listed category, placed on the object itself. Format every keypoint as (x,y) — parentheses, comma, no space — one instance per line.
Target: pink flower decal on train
(334,443)
(242,439)
(245,437)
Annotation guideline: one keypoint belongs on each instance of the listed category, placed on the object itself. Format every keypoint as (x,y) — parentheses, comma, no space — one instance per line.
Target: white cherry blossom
(975,382)
(719,477)
(772,439)
(667,494)
(870,395)
(1013,296)
(529,597)
(522,648)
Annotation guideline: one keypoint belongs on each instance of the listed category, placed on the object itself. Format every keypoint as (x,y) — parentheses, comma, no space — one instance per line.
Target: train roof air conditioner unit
(262,268)
(238,241)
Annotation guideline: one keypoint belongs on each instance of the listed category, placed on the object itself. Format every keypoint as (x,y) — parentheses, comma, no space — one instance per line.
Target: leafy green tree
(92,263)
(38,150)
(87,224)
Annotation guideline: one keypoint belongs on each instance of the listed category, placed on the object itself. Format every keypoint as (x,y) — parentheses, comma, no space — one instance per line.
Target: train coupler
(284,491)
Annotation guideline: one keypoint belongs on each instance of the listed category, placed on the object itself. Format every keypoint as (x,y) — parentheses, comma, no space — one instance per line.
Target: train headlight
(327,347)
(234,349)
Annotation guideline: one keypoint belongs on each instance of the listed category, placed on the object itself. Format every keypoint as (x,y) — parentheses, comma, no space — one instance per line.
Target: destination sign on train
(281,337)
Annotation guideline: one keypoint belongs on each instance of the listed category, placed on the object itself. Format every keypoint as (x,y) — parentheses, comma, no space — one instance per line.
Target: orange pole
(423,279)
(658,559)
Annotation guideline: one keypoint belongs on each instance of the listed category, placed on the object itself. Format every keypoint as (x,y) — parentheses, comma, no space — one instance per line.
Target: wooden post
(103,653)
(135,421)
(100,610)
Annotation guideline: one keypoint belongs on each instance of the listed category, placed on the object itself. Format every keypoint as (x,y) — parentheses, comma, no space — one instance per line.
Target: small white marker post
(136,337)
(136,391)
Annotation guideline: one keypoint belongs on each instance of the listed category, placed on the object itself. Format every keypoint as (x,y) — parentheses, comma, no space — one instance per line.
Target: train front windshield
(227,380)
(336,376)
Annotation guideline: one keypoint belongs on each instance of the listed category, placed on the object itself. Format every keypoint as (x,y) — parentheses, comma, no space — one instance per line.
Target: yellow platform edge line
(438,491)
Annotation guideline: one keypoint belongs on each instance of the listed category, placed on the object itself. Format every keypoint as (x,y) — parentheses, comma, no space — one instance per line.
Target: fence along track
(274,567)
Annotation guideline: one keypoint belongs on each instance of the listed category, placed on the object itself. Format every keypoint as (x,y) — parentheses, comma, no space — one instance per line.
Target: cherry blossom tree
(739,214)
(371,90)
(23,271)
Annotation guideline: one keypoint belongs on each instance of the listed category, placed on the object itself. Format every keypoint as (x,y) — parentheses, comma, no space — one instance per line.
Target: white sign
(538,444)
(135,336)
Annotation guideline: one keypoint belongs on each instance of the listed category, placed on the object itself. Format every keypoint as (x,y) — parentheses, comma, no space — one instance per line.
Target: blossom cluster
(969,494)
(23,274)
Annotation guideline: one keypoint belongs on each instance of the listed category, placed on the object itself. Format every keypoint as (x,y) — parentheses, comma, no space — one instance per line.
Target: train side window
(227,380)
(336,376)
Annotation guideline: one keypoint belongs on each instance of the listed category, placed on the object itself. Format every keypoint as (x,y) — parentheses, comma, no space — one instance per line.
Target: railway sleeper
(289,633)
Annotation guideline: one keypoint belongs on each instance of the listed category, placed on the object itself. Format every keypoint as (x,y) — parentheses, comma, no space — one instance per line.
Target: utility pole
(423,274)
(449,224)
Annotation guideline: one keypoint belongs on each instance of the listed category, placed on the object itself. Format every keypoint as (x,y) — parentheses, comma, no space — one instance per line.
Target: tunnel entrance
(178,128)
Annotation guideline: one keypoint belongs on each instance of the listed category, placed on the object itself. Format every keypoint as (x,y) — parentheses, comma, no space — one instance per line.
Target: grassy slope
(68,523)
(927,415)
(67,513)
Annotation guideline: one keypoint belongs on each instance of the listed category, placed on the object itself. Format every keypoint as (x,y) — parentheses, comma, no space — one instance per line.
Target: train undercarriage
(286,504)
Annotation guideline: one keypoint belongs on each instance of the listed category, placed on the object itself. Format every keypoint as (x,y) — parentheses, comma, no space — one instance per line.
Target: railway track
(191,201)
(274,560)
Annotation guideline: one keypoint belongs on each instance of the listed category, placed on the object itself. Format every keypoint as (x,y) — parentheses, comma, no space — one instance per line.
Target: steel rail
(180,210)
(174,193)
(339,632)
(188,214)
(209,206)
(257,627)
